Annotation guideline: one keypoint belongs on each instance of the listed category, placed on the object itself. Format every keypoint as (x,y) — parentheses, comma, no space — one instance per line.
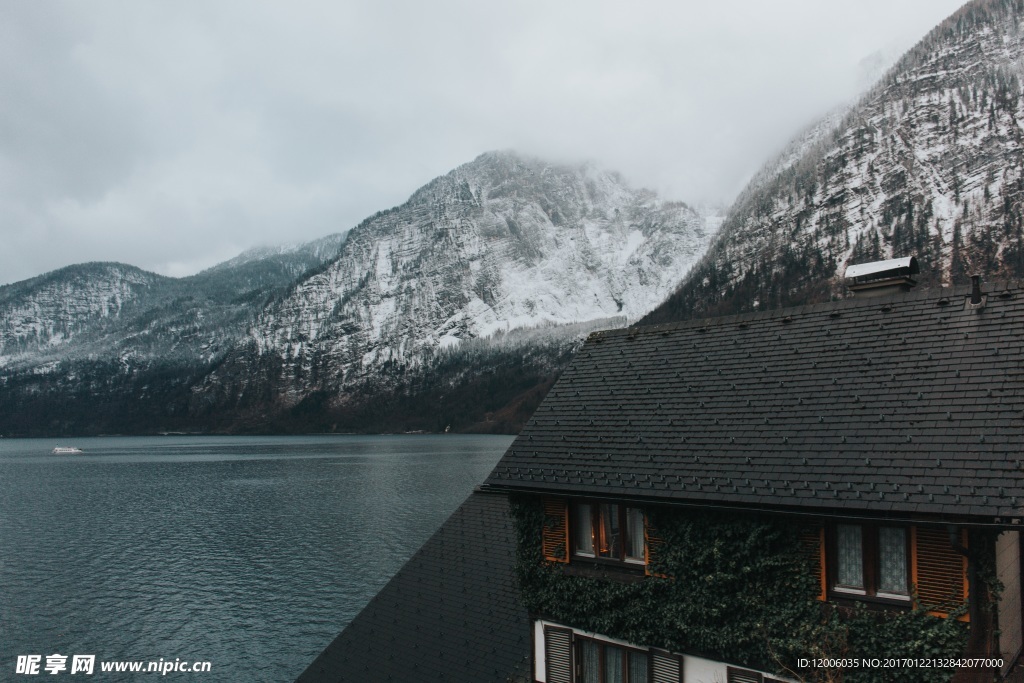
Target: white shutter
(742,676)
(666,667)
(558,654)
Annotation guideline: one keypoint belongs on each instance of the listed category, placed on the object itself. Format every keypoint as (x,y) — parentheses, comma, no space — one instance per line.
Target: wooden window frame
(577,645)
(871,568)
(595,519)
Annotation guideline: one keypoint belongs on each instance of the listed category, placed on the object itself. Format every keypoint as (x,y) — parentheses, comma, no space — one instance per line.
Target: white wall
(695,669)
(540,670)
(700,670)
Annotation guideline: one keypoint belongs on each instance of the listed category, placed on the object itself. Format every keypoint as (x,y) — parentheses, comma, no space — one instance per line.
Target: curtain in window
(591,661)
(634,534)
(584,530)
(613,664)
(850,559)
(892,560)
(638,667)
(609,537)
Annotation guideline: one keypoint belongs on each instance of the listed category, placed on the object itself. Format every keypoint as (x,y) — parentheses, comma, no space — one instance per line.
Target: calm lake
(250,553)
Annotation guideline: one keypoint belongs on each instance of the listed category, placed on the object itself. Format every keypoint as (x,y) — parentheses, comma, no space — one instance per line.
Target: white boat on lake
(66,450)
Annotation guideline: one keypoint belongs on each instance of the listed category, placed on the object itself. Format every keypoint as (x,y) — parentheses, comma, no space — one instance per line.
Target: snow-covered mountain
(50,312)
(930,162)
(99,310)
(484,279)
(275,264)
(501,243)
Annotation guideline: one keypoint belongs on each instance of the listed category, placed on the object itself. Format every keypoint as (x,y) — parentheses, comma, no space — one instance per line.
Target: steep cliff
(928,163)
(499,244)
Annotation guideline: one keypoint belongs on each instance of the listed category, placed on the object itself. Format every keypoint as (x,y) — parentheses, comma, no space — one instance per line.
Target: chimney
(882,278)
(977,300)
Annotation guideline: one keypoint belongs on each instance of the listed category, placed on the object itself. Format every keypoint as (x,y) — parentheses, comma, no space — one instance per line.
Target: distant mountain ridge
(469,297)
(52,310)
(99,308)
(459,307)
(930,162)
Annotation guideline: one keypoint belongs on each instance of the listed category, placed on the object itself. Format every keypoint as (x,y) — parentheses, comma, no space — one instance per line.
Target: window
(601,662)
(871,561)
(609,532)
(567,655)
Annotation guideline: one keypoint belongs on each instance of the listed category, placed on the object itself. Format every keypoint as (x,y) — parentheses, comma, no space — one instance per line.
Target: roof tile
(854,392)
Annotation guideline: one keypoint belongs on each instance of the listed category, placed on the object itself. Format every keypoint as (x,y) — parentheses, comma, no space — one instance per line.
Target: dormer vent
(882,278)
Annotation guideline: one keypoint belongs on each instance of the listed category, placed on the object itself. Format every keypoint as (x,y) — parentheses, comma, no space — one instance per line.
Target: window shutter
(666,667)
(742,676)
(654,544)
(558,654)
(555,535)
(812,540)
(938,572)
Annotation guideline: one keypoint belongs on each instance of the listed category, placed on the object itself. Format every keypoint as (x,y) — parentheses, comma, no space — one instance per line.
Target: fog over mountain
(929,163)
(459,306)
(173,136)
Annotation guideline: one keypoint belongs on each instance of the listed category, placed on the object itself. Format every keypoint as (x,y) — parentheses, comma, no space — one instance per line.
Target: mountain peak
(501,243)
(926,164)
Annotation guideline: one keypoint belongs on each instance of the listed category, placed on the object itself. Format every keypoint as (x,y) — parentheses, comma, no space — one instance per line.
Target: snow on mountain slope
(501,243)
(457,308)
(50,311)
(108,310)
(299,255)
(930,162)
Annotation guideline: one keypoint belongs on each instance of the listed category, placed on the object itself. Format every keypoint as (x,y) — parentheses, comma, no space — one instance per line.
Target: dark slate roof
(452,613)
(907,406)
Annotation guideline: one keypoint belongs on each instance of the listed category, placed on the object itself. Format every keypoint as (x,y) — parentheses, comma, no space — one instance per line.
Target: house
(749,498)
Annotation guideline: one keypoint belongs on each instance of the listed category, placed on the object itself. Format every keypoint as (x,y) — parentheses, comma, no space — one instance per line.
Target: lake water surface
(251,553)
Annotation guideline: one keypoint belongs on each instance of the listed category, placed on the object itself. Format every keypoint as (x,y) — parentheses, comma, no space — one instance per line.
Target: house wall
(695,669)
(1008,565)
(700,670)
(773,550)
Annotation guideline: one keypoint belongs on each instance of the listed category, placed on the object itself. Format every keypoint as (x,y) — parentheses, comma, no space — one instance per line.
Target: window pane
(634,534)
(609,534)
(613,664)
(850,558)
(584,530)
(590,654)
(892,560)
(637,667)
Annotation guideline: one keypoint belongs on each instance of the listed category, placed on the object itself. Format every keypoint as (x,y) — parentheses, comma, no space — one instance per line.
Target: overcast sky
(173,135)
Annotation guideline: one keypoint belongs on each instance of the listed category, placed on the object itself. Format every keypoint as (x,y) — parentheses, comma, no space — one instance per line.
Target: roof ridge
(916,295)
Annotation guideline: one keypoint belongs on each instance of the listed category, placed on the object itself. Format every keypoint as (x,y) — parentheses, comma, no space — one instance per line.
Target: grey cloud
(173,135)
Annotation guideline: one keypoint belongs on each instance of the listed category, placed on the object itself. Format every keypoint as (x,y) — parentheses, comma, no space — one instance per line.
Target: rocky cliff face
(113,310)
(499,244)
(47,314)
(929,163)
